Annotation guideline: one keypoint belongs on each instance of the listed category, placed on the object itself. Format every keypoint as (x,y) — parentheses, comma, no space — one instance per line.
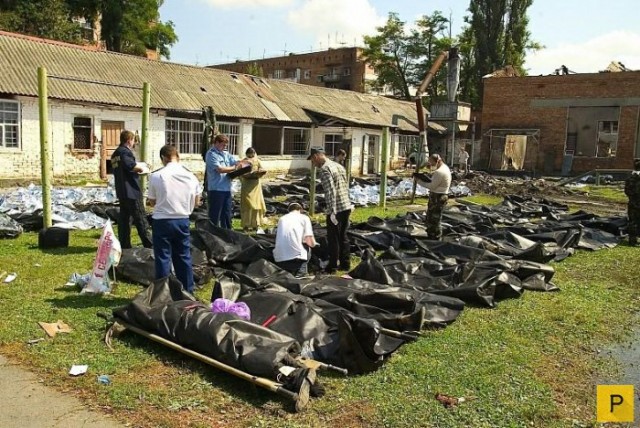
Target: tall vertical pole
(312,191)
(144,139)
(45,147)
(384,158)
(423,148)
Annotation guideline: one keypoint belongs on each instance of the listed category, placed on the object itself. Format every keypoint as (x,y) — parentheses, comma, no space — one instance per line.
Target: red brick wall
(318,63)
(507,104)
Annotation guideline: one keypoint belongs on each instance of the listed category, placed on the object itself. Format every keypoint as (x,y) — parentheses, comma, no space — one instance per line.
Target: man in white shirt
(294,238)
(463,158)
(438,195)
(173,192)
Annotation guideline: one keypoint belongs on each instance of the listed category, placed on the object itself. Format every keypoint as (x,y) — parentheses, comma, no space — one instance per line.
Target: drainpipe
(45,147)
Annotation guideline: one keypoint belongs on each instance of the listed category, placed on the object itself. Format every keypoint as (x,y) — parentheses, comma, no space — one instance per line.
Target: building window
(307,74)
(347,71)
(82,133)
(296,141)
(319,79)
(332,143)
(232,131)
(607,138)
(407,144)
(279,74)
(266,140)
(185,134)
(10,124)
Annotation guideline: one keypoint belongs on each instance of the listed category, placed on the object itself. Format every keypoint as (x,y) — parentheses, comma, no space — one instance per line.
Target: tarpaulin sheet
(488,254)
(164,309)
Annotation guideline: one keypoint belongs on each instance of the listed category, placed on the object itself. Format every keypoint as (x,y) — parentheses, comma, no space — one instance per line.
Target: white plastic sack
(109,252)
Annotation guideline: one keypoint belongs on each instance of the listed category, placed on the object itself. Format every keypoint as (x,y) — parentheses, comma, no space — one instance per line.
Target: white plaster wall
(24,163)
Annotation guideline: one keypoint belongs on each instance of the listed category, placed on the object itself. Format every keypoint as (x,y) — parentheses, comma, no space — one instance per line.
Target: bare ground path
(27,403)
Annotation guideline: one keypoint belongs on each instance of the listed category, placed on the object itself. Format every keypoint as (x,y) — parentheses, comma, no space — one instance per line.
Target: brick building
(561,124)
(341,68)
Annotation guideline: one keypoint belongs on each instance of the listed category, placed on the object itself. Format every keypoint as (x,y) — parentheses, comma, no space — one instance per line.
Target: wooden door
(110,140)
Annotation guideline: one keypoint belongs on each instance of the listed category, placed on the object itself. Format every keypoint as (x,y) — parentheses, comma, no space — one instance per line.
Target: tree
(254,69)
(402,58)
(389,54)
(129,26)
(49,19)
(498,32)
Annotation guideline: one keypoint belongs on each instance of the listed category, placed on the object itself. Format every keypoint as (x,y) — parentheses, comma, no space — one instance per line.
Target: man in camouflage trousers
(438,185)
(632,190)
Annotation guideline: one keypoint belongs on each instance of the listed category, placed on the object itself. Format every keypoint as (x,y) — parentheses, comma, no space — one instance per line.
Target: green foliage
(402,58)
(497,36)
(129,27)
(49,19)
(254,69)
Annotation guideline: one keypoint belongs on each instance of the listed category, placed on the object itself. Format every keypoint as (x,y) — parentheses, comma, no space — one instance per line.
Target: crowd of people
(174,192)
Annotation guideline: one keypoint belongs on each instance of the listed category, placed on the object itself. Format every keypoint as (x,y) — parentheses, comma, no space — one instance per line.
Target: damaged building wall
(552,104)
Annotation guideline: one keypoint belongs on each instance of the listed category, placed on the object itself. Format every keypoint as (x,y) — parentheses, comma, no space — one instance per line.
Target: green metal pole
(384,155)
(312,192)
(45,147)
(144,139)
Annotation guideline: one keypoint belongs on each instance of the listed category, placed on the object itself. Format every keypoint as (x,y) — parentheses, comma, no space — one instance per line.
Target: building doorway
(373,146)
(110,141)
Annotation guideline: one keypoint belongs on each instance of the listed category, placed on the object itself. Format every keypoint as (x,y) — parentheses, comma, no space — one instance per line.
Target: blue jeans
(220,208)
(171,245)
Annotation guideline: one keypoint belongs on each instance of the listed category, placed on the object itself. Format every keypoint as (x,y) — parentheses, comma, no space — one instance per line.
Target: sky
(584,35)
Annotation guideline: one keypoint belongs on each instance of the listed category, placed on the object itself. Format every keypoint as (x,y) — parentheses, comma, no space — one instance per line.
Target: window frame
(5,125)
(335,144)
(78,128)
(303,144)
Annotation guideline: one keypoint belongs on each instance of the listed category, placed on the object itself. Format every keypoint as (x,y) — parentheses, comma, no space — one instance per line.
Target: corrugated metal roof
(109,78)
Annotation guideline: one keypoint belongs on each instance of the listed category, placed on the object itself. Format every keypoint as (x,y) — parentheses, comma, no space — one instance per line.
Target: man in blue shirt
(127,183)
(219,163)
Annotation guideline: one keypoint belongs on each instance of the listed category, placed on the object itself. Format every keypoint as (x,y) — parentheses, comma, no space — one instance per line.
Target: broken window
(332,143)
(408,144)
(266,140)
(296,141)
(307,74)
(592,131)
(82,133)
(607,138)
(347,71)
(9,124)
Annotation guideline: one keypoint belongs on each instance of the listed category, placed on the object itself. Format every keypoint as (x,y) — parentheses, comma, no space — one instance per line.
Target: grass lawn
(532,361)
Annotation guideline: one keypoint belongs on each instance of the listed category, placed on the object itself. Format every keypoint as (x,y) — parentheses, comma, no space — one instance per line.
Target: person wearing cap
(632,190)
(294,239)
(438,195)
(218,163)
(338,208)
(173,193)
(128,190)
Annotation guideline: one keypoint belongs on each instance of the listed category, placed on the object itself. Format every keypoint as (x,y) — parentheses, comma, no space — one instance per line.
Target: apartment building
(340,68)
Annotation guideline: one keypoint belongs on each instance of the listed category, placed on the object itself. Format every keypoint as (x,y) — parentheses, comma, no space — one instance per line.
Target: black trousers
(133,208)
(339,246)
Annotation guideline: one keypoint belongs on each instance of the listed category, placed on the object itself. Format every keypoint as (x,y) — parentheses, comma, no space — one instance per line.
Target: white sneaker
(260,231)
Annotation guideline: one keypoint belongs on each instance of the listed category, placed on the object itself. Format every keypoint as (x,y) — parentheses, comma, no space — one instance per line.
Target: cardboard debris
(54,328)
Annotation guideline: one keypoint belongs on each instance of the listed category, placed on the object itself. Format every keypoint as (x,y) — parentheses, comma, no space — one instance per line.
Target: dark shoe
(633,242)
(329,271)
(346,267)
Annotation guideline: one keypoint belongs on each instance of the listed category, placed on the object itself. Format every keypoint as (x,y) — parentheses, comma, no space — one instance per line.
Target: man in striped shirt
(338,209)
